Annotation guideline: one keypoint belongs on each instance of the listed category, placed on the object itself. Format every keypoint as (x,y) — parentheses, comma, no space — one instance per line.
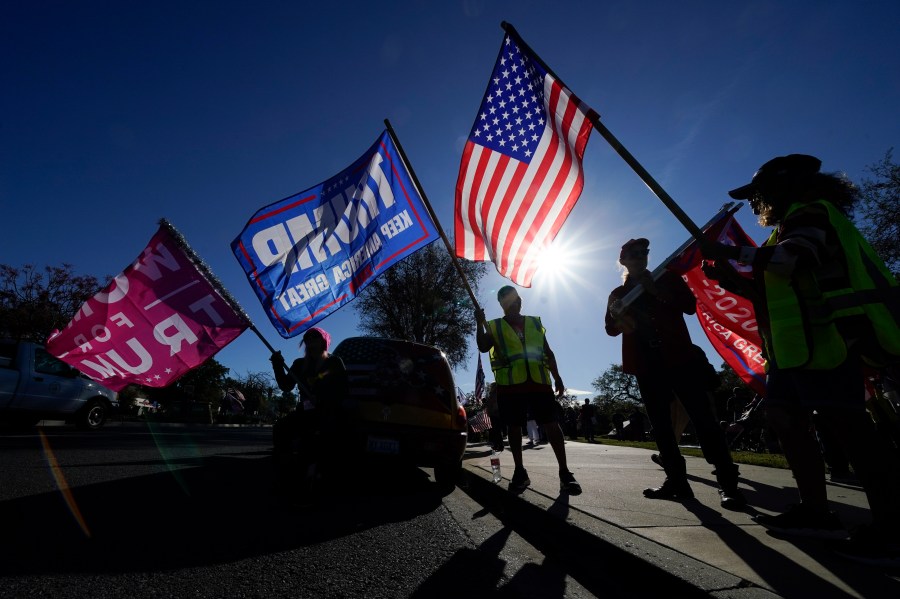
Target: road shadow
(205,511)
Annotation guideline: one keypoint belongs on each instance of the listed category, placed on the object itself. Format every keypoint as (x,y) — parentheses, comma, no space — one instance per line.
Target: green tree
(615,385)
(729,379)
(879,207)
(34,302)
(570,401)
(259,391)
(422,299)
(204,383)
(618,392)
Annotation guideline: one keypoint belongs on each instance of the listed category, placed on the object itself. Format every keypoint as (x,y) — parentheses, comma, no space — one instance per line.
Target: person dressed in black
(619,424)
(321,380)
(496,432)
(587,420)
(657,348)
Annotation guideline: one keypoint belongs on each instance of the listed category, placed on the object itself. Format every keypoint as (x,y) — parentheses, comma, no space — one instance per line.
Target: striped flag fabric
(520,174)
(480,422)
(479,380)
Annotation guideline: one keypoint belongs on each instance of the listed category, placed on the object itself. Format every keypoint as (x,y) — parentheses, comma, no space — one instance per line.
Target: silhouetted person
(657,349)
(587,420)
(523,363)
(825,303)
(322,386)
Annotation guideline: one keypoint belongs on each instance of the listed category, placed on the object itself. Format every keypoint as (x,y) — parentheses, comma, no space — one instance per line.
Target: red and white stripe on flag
(480,422)
(520,174)
(479,380)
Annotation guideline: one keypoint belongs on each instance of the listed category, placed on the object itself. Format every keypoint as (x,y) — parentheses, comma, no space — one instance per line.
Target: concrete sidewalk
(695,545)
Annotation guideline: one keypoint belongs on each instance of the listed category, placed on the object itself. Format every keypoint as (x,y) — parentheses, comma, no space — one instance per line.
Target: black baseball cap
(780,170)
(633,244)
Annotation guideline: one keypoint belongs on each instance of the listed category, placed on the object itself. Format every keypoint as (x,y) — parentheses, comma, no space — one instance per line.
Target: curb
(603,557)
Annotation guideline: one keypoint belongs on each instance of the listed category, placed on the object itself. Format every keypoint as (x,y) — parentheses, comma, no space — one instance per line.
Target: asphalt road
(188,512)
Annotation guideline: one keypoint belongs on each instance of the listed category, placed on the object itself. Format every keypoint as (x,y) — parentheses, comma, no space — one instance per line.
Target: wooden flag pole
(592,115)
(431,213)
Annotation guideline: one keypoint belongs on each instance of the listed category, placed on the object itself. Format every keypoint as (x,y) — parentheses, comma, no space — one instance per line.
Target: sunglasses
(637,253)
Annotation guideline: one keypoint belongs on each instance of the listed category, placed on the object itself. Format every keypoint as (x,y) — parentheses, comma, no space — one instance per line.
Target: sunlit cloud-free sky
(115,114)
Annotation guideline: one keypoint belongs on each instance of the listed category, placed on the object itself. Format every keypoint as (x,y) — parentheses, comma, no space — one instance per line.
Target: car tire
(447,475)
(93,415)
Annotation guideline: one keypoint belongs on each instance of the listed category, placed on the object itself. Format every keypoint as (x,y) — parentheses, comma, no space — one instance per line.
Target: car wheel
(446,475)
(93,416)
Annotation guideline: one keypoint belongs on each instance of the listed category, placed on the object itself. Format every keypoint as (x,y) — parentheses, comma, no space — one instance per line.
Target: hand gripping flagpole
(726,210)
(431,213)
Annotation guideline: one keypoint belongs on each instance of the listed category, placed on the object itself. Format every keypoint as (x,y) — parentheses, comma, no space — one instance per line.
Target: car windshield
(398,372)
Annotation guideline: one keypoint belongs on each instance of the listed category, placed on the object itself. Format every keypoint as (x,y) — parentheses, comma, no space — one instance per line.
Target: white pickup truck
(34,386)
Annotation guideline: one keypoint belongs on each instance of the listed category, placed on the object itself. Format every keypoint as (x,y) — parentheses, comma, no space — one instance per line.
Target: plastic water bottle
(495,466)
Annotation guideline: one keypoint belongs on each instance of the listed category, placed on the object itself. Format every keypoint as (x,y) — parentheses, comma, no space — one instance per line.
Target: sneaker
(519,480)
(655,459)
(670,490)
(866,546)
(568,484)
(799,521)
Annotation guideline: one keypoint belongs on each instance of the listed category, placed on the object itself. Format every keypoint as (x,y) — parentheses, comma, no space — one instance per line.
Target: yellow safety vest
(805,319)
(514,360)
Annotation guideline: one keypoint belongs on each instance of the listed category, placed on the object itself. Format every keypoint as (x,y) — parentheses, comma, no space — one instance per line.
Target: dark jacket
(327,384)
(661,338)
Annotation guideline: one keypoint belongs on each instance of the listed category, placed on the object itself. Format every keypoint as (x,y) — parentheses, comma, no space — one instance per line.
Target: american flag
(521,167)
(479,380)
(480,422)
(461,397)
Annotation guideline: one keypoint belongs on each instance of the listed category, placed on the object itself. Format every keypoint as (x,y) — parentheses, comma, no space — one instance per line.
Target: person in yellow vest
(523,363)
(825,304)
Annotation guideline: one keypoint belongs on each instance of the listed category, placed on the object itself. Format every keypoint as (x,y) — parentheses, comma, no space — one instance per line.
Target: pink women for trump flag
(521,166)
(162,316)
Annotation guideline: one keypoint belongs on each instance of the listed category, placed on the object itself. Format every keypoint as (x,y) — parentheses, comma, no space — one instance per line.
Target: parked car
(402,405)
(34,385)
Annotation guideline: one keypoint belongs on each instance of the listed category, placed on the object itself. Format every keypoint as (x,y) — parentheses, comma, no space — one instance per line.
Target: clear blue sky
(115,114)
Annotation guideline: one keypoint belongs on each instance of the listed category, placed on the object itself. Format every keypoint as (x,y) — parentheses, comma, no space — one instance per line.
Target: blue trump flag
(309,254)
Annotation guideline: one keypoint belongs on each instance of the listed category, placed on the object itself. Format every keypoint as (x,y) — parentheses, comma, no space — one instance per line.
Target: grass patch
(770,460)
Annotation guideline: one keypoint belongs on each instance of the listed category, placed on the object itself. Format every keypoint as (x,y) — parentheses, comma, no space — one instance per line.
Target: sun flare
(558,264)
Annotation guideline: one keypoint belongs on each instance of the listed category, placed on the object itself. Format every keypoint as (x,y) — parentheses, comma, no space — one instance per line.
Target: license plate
(377,445)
